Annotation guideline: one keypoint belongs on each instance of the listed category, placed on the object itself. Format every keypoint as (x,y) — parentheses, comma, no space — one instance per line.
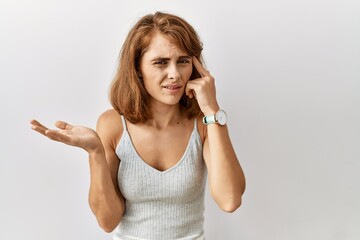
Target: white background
(287,72)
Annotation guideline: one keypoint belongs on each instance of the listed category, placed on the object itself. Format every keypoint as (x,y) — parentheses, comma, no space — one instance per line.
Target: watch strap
(209,119)
(219,118)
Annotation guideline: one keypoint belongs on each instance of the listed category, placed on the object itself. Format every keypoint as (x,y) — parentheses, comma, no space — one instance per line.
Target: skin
(166,70)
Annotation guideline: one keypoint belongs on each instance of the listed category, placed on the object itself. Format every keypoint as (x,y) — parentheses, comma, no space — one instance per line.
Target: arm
(226,178)
(105,199)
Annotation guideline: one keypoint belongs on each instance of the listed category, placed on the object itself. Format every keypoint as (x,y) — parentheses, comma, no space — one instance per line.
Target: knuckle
(209,78)
(202,84)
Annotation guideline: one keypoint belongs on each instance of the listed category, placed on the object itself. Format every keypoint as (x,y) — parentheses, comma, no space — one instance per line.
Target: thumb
(63,125)
(188,91)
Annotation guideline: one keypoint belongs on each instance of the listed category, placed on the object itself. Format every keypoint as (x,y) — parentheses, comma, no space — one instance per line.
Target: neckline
(153,168)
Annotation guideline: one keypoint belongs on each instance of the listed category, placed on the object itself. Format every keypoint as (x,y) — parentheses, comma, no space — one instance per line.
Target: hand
(77,136)
(203,89)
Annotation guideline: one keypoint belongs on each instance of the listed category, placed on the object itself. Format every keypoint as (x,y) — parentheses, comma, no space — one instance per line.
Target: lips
(172,86)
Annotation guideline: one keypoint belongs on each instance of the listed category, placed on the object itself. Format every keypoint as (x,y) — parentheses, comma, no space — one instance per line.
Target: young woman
(150,154)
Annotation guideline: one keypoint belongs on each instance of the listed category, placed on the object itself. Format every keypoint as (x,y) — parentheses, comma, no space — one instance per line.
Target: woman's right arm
(105,198)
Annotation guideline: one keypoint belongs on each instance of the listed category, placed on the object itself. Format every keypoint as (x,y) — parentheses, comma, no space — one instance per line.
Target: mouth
(172,87)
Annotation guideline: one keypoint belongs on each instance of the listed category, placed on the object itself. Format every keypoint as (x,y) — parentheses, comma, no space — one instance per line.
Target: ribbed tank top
(161,204)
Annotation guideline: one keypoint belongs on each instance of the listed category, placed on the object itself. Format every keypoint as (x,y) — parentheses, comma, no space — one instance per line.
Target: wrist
(219,117)
(211,110)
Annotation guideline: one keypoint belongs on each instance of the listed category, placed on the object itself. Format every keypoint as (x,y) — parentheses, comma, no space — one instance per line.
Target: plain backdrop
(287,73)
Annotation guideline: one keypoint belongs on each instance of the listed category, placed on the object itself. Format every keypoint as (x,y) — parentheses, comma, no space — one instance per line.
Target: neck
(164,116)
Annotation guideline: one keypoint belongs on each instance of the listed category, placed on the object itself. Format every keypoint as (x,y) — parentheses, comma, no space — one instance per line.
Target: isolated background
(287,73)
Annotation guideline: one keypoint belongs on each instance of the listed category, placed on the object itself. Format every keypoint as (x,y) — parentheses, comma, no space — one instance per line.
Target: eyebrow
(167,59)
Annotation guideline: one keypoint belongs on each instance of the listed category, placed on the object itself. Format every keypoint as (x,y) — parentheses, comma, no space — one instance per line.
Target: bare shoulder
(109,127)
(109,115)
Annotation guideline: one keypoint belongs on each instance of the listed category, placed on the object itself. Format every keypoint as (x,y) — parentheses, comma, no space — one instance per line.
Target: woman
(150,155)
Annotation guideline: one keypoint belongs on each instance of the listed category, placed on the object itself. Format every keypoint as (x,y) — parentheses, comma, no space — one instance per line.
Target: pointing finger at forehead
(200,68)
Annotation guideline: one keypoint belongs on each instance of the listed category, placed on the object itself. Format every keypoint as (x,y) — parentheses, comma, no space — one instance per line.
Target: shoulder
(109,127)
(109,115)
(109,120)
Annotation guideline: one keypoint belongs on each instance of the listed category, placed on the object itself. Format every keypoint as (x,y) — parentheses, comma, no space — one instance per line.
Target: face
(165,70)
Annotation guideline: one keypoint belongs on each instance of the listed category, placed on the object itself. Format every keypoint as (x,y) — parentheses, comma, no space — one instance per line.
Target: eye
(184,61)
(160,62)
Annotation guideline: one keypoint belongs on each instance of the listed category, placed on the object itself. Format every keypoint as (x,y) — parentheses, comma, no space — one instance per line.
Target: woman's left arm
(226,177)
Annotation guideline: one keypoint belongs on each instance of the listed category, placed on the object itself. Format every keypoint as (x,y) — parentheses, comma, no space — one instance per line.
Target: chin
(172,101)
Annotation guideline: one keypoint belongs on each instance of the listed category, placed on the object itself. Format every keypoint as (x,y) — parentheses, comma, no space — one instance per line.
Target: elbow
(231,206)
(228,202)
(107,229)
(108,219)
(108,225)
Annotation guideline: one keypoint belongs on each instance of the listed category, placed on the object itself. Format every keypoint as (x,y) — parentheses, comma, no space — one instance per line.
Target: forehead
(160,46)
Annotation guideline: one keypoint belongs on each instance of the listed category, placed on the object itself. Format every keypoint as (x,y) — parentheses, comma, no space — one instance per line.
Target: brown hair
(128,95)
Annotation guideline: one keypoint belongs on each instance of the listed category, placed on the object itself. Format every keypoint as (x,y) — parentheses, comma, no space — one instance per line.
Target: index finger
(199,67)
(35,123)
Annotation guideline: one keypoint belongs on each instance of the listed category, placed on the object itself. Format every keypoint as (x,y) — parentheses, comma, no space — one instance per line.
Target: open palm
(77,136)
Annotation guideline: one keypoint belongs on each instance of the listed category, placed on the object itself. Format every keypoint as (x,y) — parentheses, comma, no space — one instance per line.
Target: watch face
(221,117)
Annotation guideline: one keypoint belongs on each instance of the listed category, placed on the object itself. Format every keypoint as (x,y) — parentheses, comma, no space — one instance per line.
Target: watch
(219,118)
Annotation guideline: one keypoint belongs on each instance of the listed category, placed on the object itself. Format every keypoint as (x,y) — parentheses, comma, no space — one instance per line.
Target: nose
(173,72)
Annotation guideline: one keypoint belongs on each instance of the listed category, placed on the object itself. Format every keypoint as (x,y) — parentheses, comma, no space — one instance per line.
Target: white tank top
(161,204)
